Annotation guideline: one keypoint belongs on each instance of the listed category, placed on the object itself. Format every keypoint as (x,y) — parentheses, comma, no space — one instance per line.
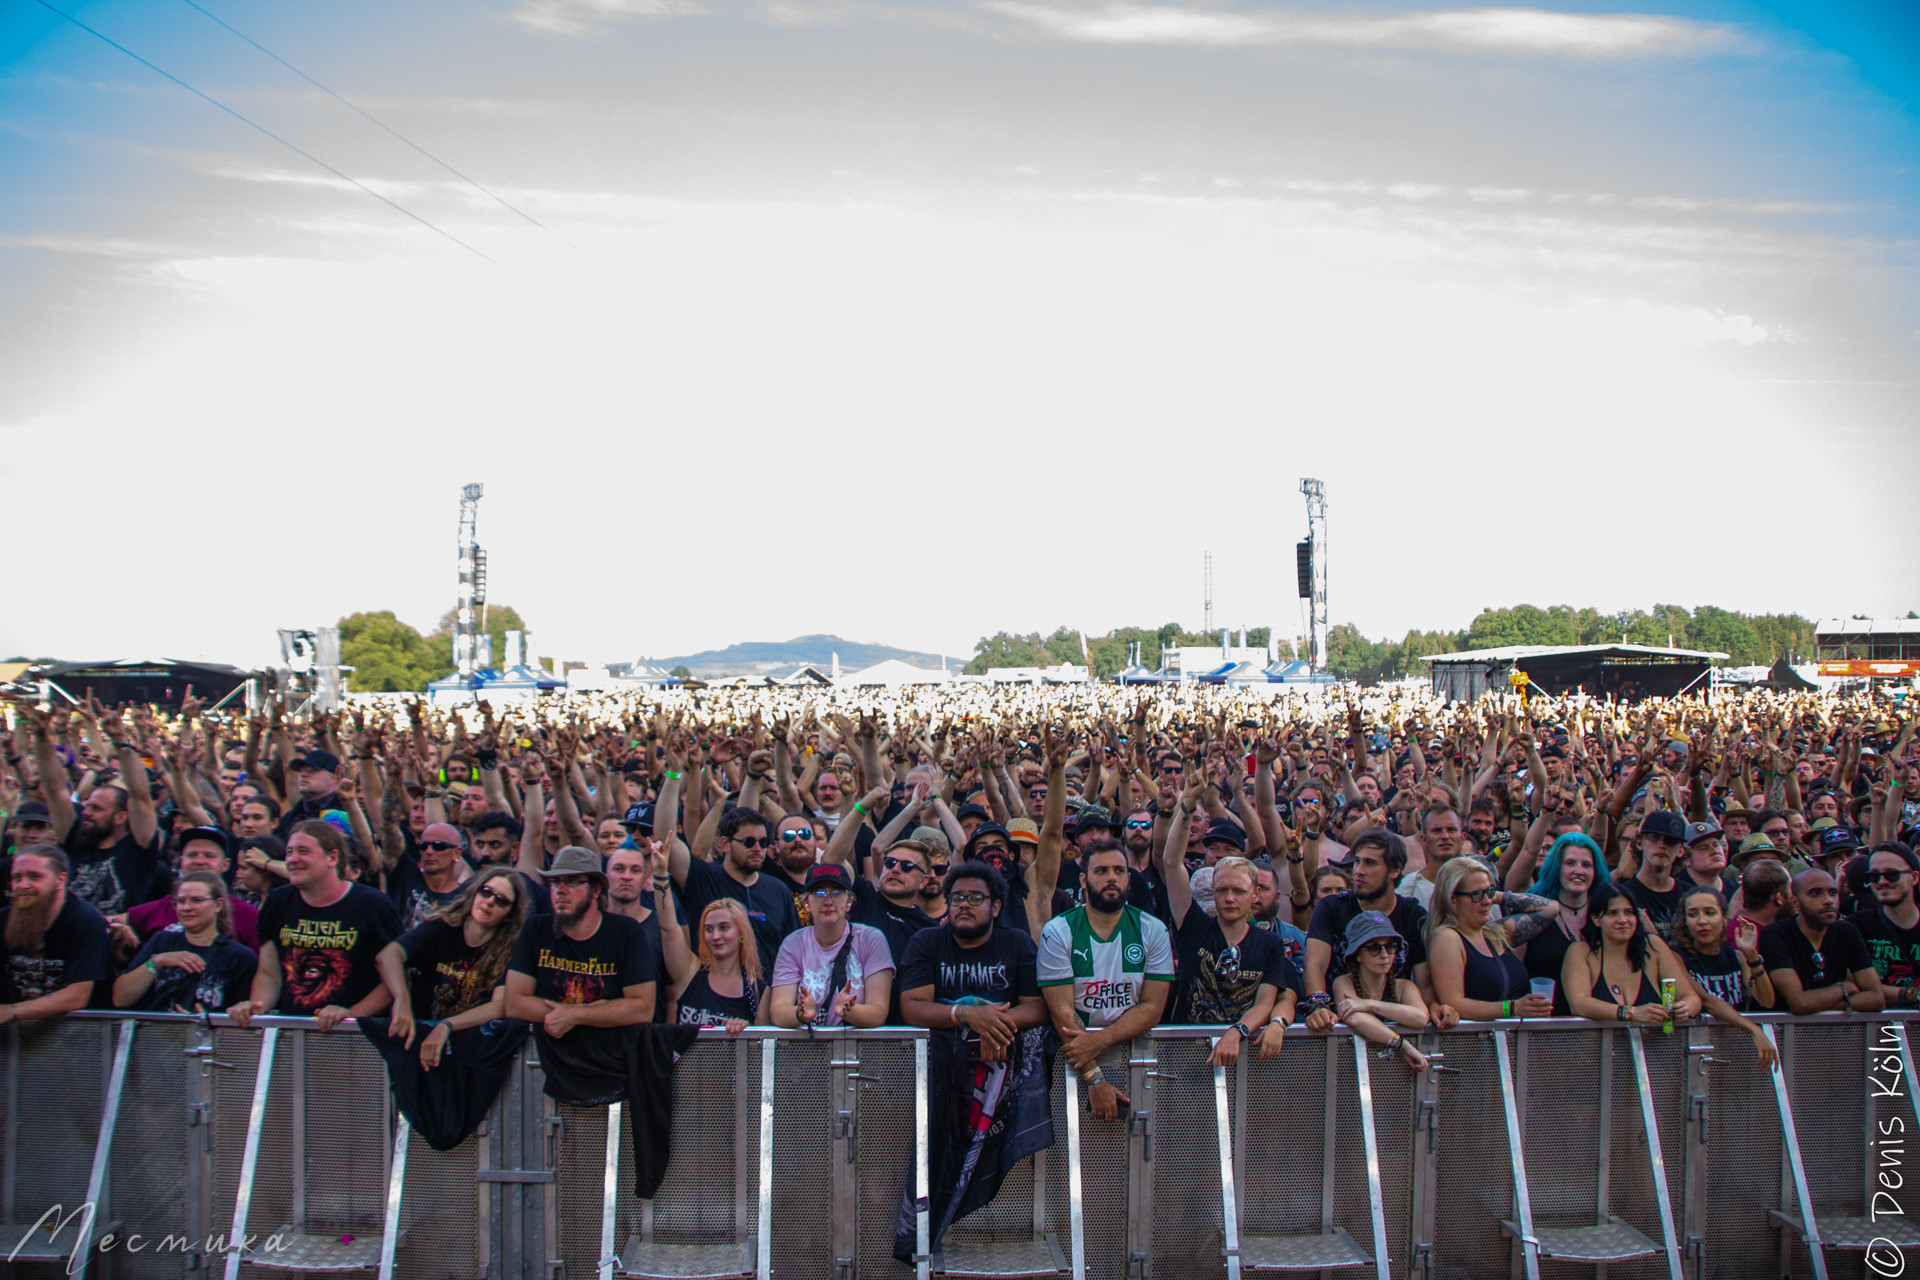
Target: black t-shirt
(1219,983)
(1843,953)
(1001,970)
(1332,915)
(769,904)
(1719,975)
(702,1006)
(1895,951)
(1660,906)
(224,983)
(447,977)
(899,924)
(326,953)
(600,968)
(115,877)
(74,949)
(411,896)
(798,889)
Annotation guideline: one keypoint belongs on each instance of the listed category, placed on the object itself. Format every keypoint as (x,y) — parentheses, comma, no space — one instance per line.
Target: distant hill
(761,656)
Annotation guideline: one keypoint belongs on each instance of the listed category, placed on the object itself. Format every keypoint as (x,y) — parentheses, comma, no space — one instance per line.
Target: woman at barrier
(1474,970)
(722,985)
(1572,868)
(194,965)
(461,953)
(1723,977)
(1368,997)
(1613,973)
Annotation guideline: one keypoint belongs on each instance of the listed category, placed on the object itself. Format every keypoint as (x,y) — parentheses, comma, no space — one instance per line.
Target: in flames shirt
(602,967)
(1108,974)
(326,953)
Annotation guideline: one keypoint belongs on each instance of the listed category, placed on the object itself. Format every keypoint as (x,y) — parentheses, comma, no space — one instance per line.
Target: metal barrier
(1548,1148)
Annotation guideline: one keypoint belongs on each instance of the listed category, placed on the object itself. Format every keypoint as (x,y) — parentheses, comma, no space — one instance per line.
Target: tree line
(1747,639)
(389,656)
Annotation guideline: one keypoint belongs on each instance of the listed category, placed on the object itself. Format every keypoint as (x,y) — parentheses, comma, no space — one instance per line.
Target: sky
(915,321)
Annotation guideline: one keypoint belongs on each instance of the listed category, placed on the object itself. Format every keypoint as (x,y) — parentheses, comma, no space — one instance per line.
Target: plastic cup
(1543,987)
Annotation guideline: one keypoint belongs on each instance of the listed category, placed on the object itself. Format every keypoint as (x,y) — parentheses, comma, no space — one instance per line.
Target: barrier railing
(1544,1148)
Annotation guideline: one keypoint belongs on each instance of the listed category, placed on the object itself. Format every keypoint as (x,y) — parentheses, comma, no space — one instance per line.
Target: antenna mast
(463,628)
(1206,627)
(1316,494)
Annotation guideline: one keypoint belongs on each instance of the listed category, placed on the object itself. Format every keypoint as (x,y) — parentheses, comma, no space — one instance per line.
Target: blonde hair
(1236,863)
(749,947)
(1441,914)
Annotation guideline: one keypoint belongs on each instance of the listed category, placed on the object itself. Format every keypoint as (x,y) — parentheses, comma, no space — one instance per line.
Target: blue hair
(1548,885)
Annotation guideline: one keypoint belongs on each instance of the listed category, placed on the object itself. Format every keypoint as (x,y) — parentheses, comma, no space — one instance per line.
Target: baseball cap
(212,833)
(1230,832)
(1837,840)
(823,875)
(1094,816)
(317,759)
(1697,831)
(32,811)
(972,810)
(1664,822)
(639,817)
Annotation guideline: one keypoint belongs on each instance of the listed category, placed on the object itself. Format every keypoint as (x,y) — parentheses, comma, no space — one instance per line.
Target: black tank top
(701,1007)
(1493,978)
(1546,956)
(1649,994)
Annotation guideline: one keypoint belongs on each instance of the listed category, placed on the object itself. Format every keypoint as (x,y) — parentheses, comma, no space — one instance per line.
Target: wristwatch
(1241,1027)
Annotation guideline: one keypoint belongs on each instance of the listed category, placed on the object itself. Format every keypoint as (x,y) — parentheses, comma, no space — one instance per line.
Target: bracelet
(1506,1008)
(1620,1013)
(858,808)
(1094,1077)
(153,968)
(1296,857)
(958,1021)
(675,776)
(1393,1045)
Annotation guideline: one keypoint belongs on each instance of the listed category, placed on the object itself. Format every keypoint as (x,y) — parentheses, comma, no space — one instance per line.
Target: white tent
(894,673)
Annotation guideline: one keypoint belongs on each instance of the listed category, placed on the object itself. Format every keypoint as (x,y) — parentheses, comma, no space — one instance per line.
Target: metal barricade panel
(803,1146)
(1475,1180)
(1558,1078)
(151,1149)
(439,1213)
(1103,1148)
(1631,1187)
(348,1142)
(1393,1130)
(1187,1233)
(1743,1161)
(884,1165)
(707,1178)
(579,1170)
(1284,1133)
(272,1202)
(63,1067)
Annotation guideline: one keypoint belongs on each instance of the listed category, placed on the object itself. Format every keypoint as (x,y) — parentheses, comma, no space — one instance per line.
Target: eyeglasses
(835,892)
(1478,895)
(569,882)
(900,864)
(501,899)
(798,833)
(1885,877)
(971,898)
(192,902)
(439,846)
(751,842)
(1139,824)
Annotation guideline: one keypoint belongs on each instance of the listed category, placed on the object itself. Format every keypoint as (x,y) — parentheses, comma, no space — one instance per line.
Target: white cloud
(1496,30)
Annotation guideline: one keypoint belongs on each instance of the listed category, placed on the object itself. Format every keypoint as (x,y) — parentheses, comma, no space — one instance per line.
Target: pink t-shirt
(803,963)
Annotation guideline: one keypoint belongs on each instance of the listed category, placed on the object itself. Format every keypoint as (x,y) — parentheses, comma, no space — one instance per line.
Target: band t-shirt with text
(602,967)
(1220,983)
(1001,970)
(1109,974)
(1895,951)
(74,949)
(327,953)
(446,970)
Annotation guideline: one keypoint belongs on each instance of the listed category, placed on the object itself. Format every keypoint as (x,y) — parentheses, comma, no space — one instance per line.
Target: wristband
(489,758)
(858,807)
(1094,1077)
(1620,1013)
(1506,1008)
(1319,1000)
(1296,857)
(671,774)
(153,968)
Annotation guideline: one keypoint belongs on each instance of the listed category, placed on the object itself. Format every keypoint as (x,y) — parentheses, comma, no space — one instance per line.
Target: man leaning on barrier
(1105,969)
(320,934)
(56,947)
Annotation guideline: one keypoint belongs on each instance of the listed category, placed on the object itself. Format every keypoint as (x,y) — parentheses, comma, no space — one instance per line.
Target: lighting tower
(1206,627)
(1317,566)
(463,625)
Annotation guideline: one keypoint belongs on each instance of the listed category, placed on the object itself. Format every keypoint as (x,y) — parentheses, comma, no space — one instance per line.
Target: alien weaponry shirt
(326,953)
(1108,974)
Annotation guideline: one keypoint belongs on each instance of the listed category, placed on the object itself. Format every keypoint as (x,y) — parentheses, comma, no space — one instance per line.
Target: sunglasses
(441,846)
(494,896)
(1380,948)
(1139,824)
(751,842)
(900,864)
(1885,877)
(798,833)
(1477,895)
(939,869)
(1227,969)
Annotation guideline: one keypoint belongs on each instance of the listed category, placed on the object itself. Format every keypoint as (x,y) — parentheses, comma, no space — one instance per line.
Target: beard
(796,858)
(1108,901)
(970,933)
(27,924)
(930,889)
(578,910)
(1140,846)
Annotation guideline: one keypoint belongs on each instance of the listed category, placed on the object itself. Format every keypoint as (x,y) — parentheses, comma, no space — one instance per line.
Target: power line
(270,133)
(382,124)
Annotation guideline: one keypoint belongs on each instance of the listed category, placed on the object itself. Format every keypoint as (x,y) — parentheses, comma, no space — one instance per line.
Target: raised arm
(1044,874)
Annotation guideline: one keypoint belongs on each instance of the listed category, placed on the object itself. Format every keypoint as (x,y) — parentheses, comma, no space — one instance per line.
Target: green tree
(387,655)
(681,673)
(1005,649)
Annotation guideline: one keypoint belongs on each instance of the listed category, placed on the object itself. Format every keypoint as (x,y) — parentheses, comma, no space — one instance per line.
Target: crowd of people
(1025,871)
